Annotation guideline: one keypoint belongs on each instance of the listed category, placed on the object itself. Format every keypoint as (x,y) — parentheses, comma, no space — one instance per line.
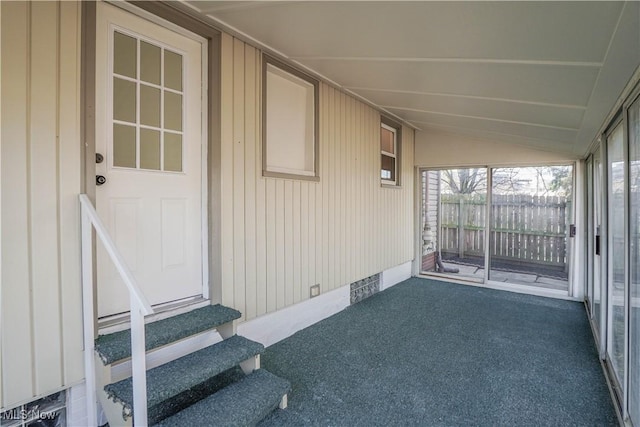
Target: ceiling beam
(454,60)
(454,95)
(490,119)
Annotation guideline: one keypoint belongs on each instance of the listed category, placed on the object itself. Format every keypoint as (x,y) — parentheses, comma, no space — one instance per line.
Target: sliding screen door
(590,236)
(616,255)
(531,211)
(634,242)
(595,256)
(454,205)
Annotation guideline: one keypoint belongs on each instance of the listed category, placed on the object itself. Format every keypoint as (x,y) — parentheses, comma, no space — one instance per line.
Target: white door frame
(204,131)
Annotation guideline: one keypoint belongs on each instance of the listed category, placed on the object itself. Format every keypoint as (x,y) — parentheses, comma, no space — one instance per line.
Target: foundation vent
(364,288)
(49,411)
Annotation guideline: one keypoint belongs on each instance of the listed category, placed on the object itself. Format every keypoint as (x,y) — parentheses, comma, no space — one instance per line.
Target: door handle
(100,179)
(99,158)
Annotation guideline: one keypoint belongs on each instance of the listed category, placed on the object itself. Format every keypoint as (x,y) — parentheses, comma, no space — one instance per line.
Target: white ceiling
(543,74)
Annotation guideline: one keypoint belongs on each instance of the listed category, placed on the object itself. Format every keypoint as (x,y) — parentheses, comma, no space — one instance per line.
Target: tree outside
(539,181)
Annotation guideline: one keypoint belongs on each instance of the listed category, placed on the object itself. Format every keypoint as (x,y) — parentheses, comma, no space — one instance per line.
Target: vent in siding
(49,411)
(363,289)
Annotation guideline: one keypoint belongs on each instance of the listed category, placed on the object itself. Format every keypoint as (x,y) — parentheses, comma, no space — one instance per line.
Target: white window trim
(385,181)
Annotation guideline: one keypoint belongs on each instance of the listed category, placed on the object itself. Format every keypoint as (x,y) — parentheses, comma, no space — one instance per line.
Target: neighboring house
(228,173)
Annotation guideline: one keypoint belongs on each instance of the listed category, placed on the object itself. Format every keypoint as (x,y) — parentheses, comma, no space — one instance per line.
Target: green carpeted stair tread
(243,403)
(184,374)
(117,346)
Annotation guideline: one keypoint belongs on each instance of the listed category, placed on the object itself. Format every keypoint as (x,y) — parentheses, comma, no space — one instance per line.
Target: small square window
(389,153)
(290,122)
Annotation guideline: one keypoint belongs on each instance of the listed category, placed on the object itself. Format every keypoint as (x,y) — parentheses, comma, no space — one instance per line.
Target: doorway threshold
(505,286)
(122,321)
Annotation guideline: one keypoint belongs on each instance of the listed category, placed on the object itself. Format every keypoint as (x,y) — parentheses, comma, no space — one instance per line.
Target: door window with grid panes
(148,108)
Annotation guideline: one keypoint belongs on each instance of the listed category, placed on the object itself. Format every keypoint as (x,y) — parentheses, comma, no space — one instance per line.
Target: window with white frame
(290,135)
(389,153)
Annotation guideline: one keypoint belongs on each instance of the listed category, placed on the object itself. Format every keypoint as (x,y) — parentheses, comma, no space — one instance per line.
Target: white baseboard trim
(276,326)
(395,275)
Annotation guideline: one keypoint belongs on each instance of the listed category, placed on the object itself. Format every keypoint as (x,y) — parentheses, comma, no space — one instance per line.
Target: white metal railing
(139,307)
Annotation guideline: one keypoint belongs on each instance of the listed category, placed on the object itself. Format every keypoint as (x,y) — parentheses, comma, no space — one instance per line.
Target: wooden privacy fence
(523,228)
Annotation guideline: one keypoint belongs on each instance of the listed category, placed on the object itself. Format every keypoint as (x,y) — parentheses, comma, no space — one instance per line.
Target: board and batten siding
(40,167)
(281,236)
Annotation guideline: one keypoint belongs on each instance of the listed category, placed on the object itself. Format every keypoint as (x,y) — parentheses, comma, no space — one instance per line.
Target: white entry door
(149,130)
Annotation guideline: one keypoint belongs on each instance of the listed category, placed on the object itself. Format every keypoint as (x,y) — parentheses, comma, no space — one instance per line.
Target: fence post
(461,227)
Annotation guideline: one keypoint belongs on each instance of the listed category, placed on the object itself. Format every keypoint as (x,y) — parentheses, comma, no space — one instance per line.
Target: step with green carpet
(117,346)
(243,403)
(183,375)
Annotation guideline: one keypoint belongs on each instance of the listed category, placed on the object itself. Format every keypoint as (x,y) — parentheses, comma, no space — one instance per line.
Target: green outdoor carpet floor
(437,354)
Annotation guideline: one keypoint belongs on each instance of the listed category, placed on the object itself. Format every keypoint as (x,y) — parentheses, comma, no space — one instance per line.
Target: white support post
(88,318)
(250,365)
(138,365)
(283,402)
(227,330)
